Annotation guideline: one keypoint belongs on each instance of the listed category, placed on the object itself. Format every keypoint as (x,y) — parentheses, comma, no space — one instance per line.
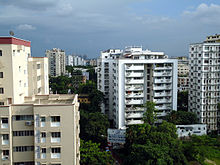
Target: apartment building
(183,73)
(73,60)
(44,130)
(57,61)
(204,86)
(17,72)
(105,78)
(134,77)
(38,76)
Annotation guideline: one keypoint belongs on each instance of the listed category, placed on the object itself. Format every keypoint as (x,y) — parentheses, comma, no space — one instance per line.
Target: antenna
(11,33)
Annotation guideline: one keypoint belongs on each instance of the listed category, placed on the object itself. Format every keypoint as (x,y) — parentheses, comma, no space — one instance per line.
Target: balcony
(161,94)
(162,107)
(161,74)
(138,88)
(130,102)
(134,81)
(135,95)
(134,115)
(163,68)
(134,67)
(134,109)
(131,122)
(162,100)
(134,74)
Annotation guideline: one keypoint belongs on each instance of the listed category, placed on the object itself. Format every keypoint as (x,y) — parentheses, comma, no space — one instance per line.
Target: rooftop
(51,99)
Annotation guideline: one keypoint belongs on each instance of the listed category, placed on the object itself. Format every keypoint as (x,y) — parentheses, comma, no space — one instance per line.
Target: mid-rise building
(132,78)
(57,61)
(184,131)
(20,74)
(204,86)
(43,130)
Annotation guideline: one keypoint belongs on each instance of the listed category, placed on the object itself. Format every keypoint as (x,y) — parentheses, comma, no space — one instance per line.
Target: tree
(182,101)
(93,126)
(151,144)
(182,118)
(90,153)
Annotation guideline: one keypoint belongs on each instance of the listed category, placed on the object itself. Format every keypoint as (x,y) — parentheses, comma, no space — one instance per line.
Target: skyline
(89,27)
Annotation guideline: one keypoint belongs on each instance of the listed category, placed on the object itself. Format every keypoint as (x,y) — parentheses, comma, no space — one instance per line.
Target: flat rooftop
(51,99)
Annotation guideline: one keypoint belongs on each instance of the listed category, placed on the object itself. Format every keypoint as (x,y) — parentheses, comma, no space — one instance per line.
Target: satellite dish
(11,33)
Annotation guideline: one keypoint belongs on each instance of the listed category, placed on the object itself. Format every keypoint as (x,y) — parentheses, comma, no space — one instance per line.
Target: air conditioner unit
(28,123)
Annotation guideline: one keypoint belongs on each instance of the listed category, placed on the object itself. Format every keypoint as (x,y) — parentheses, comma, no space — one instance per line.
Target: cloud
(25,27)
(204,14)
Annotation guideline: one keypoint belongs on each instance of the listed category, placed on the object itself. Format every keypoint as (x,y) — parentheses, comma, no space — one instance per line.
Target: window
(23,148)
(5,154)
(1,74)
(1,90)
(5,139)
(55,152)
(38,78)
(43,134)
(42,121)
(38,66)
(0,52)
(43,150)
(55,134)
(1,103)
(22,117)
(55,118)
(19,68)
(4,120)
(23,133)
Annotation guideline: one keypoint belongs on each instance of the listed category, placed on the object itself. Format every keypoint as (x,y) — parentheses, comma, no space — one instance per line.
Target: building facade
(18,77)
(105,78)
(135,77)
(183,74)
(57,61)
(204,86)
(44,130)
(189,130)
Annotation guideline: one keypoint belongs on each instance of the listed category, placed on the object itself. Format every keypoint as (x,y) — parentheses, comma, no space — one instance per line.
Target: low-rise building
(194,129)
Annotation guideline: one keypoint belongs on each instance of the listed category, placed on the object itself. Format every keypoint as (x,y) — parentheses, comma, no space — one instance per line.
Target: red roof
(15,41)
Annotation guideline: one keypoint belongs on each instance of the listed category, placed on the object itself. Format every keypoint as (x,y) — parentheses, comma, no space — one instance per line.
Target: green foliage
(92,75)
(150,144)
(90,153)
(93,126)
(150,113)
(182,101)
(95,97)
(198,148)
(60,84)
(182,117)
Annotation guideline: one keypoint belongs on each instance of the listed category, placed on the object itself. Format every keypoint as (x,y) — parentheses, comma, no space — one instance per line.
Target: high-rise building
(132,78)
(57,61)
(204,76)
(183,73)
(18,75)
(43,130)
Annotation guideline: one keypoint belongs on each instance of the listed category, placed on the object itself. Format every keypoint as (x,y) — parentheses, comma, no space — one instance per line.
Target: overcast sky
(90,26)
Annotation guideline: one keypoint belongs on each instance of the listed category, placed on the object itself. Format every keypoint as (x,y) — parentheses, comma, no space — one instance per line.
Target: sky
(91,26)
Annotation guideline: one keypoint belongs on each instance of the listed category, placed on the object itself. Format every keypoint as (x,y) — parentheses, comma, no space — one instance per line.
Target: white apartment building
(18,77)
(135,77)
(44,130)
(73,60)
(204,86)
(57,61)
(105,78)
